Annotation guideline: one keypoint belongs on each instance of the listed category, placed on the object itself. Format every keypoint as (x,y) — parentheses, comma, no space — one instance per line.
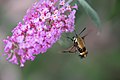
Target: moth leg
(72,49)
(68,50)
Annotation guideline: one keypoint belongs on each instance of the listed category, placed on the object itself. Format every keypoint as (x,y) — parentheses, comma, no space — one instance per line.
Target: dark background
(102,62)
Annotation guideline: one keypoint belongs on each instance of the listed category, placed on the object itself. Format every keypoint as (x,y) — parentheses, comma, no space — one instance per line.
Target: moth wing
(72,49)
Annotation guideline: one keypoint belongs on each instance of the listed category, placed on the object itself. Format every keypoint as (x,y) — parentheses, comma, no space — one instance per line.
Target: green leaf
(90,11)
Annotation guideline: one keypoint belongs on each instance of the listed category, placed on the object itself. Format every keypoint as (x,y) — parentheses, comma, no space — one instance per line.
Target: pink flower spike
(42,26)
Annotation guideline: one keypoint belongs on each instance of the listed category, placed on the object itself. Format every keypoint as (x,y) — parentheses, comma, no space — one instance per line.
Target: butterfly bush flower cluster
(42,26)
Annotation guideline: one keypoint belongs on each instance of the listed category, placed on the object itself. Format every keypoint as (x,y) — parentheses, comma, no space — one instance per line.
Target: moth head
(74,39)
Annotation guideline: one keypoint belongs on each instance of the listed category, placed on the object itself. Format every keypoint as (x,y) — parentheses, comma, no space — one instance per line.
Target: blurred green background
(102,62)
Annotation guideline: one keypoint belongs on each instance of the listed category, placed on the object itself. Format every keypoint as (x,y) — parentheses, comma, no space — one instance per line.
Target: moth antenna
(82,30)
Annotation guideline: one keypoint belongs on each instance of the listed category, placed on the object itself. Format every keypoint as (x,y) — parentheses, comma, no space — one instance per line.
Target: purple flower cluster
(42,26)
